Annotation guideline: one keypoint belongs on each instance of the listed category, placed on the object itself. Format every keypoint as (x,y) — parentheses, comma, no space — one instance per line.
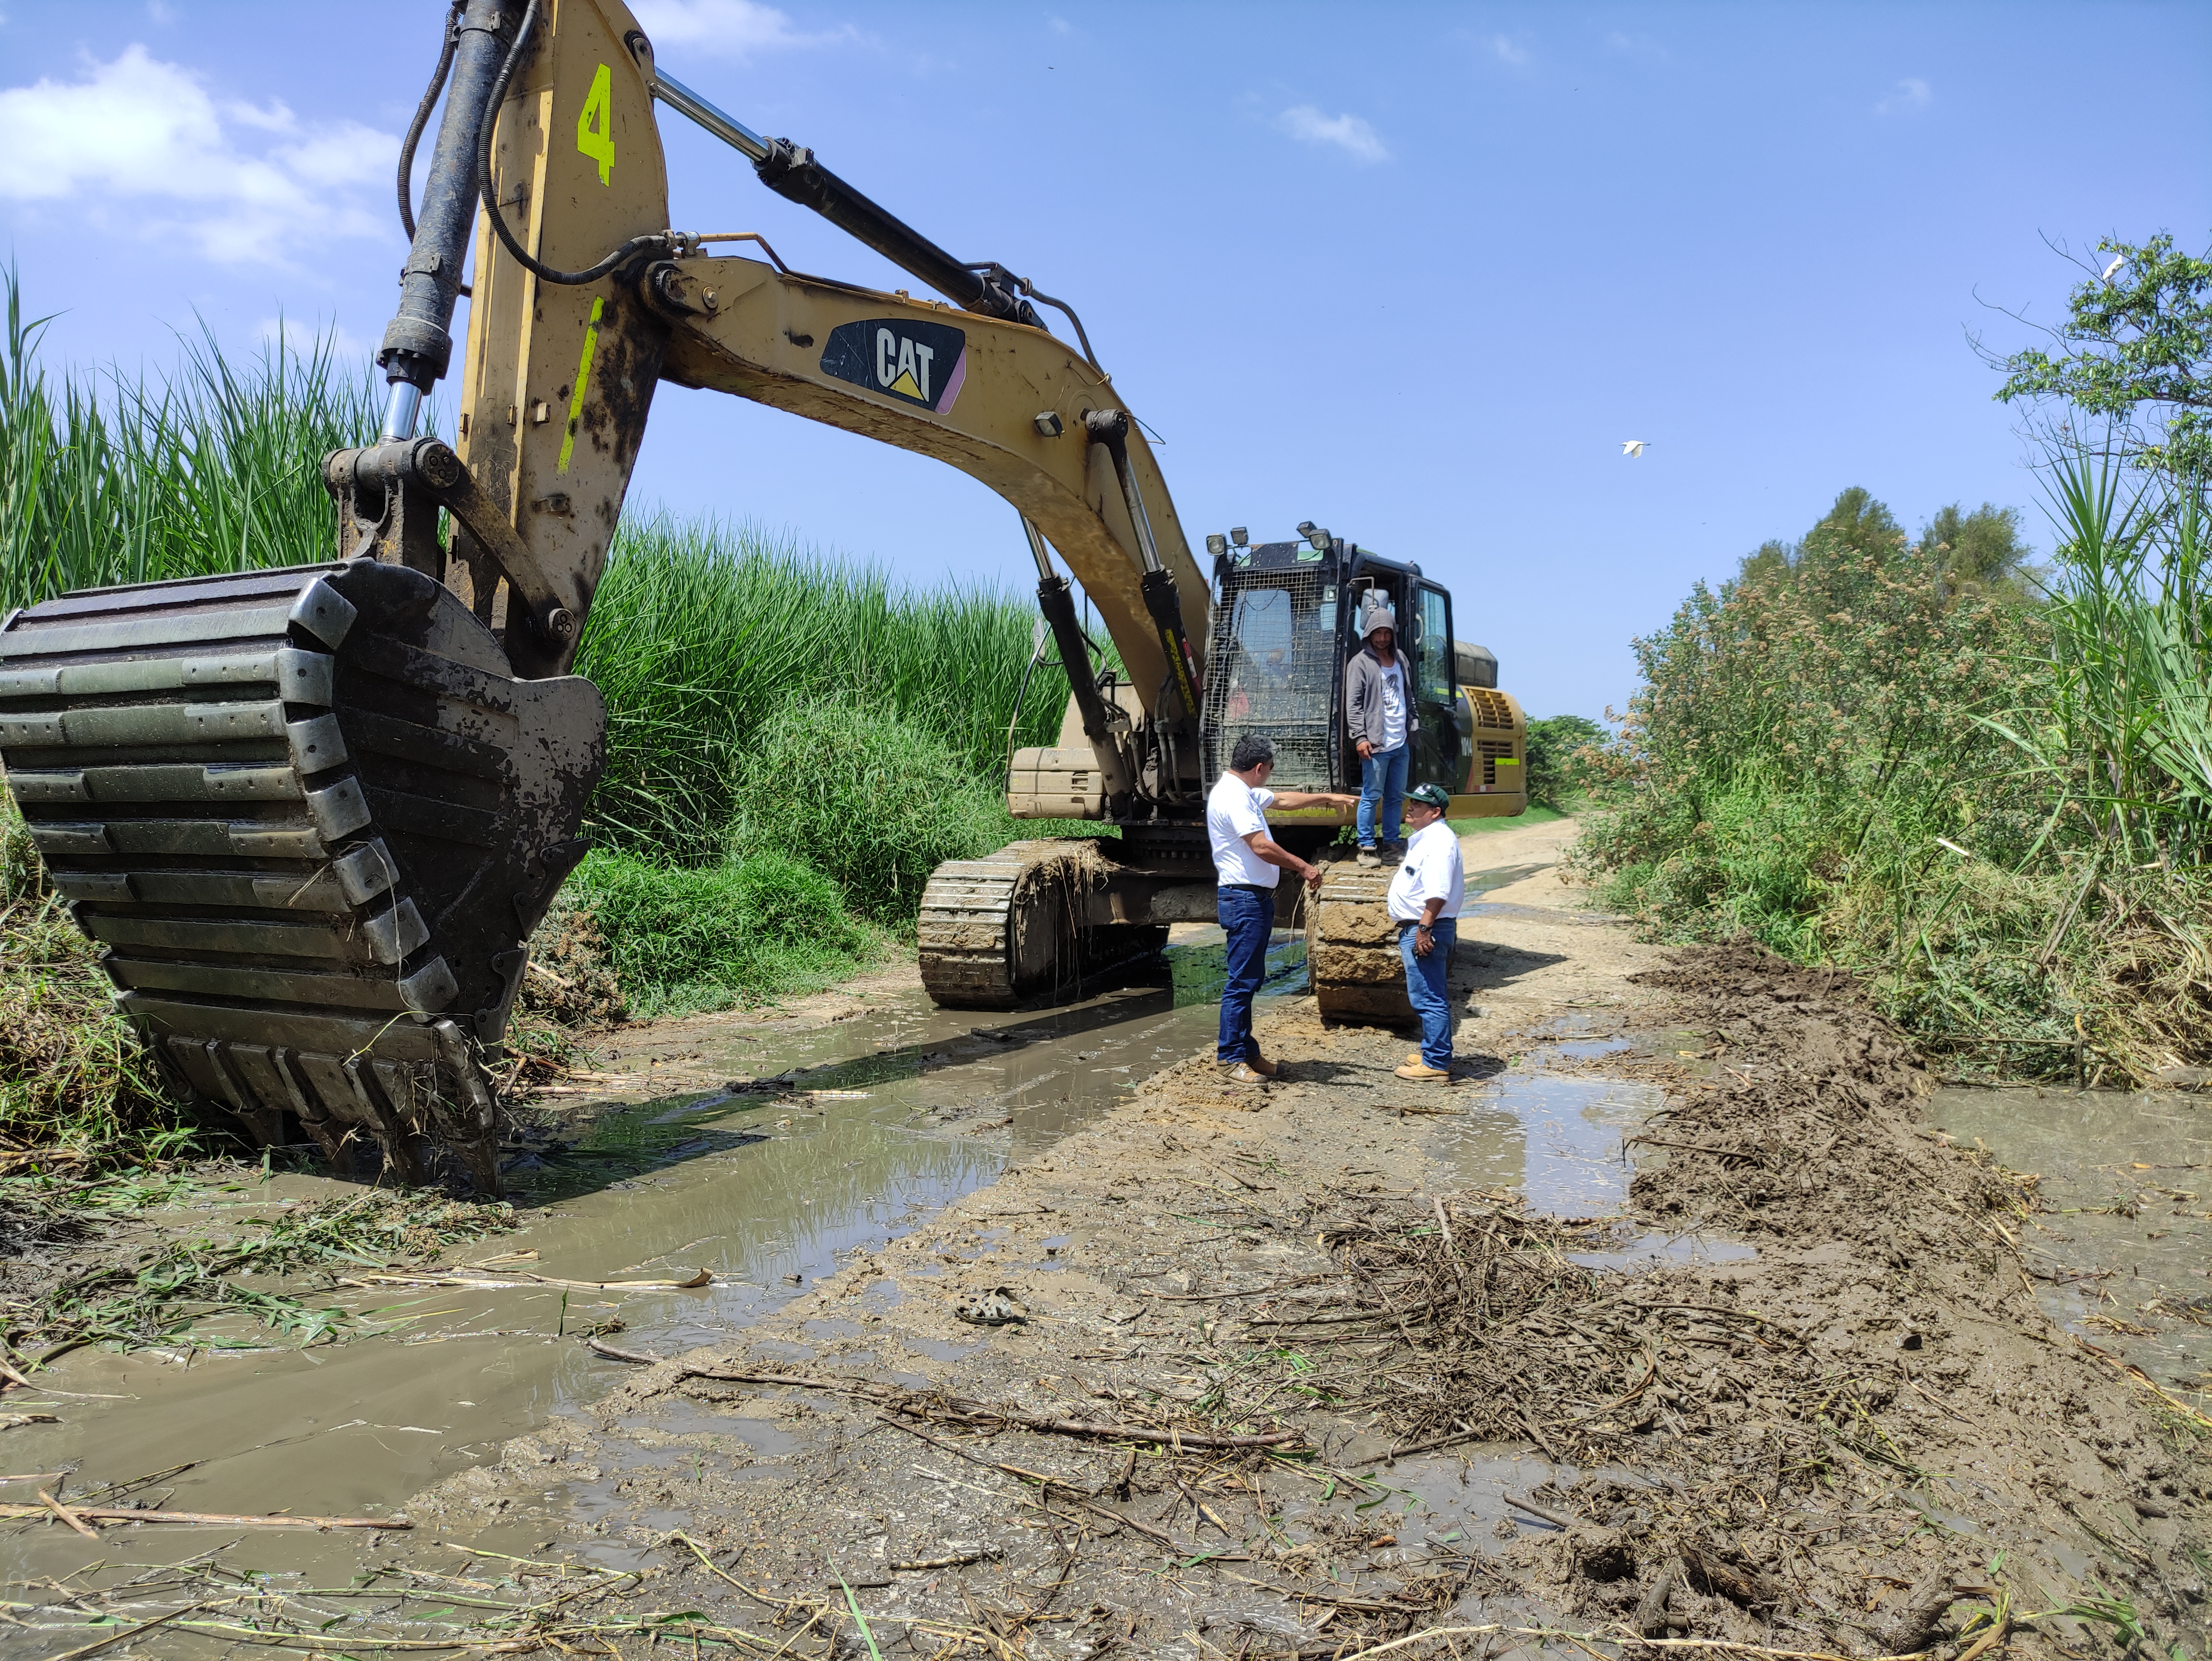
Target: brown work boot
(1262,1066)
(1240,1073)
(1421,1073)
(1413,1058)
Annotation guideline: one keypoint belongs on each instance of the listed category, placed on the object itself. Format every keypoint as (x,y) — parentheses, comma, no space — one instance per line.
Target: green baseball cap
(1433,795)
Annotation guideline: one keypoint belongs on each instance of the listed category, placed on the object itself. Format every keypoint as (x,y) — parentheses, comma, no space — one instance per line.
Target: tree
(1857,524)
(1558,774)
(1980,552)
(2134,351)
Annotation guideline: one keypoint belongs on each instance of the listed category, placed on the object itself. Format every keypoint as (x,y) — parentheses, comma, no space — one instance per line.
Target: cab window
(1432,646)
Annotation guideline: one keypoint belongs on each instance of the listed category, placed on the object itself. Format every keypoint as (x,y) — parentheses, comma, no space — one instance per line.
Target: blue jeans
(1425,987)
(1382,775)
(1248,916)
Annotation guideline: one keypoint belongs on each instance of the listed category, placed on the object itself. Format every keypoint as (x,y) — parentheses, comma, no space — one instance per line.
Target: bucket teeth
(310,817)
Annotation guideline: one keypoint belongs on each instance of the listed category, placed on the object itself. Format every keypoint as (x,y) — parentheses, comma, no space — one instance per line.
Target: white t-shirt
(1394,705)
(1233,811)
(1431,870)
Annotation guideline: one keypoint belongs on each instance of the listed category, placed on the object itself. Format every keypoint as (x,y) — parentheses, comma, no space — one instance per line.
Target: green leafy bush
(877,801)
(1996,810)
(761,926)
(700,634)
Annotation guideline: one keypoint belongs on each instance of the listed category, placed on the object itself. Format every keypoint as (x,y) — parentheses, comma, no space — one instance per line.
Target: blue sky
(1414,272)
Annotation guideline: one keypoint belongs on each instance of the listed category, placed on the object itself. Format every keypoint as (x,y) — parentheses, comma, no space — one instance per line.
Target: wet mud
(1677,1315)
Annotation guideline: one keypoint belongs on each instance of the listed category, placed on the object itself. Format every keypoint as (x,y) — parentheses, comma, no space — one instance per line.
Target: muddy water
(2121,1247)
(882,1119)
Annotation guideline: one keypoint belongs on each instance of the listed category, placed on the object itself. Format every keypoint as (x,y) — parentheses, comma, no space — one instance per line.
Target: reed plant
(120,478)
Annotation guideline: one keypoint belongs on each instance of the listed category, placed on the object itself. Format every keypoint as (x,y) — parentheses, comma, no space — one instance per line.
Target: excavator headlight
(1239,537)
(1048,423)
(1217,544)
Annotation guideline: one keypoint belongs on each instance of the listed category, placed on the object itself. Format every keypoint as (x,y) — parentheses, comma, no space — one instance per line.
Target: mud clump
(1809,1128)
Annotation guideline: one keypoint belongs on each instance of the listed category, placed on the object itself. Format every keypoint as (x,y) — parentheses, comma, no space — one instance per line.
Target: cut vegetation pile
(1778,1430)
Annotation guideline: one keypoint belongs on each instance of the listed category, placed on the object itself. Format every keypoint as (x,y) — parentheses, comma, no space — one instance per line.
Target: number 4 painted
(595,126)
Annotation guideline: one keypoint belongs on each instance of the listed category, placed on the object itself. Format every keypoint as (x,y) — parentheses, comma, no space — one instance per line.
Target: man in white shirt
(1426,896)
(1246,864)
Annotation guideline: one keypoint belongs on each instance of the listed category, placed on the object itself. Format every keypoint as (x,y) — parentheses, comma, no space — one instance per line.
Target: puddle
(1555,1137)
(1199,960)
(2123,1235)
(768,1196)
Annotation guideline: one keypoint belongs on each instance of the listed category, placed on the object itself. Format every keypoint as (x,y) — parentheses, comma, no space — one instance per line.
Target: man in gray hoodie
(1378,708)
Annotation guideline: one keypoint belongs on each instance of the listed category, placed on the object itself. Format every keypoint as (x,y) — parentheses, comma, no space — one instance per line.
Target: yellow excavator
(312,815)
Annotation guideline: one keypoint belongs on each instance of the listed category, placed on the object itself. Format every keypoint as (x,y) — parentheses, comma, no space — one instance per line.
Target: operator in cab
(1248,863)
(1426,896)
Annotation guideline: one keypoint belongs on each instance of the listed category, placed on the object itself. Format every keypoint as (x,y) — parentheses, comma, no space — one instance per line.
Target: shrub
(876,801)
(700,634)
(1996,810)
(749,929)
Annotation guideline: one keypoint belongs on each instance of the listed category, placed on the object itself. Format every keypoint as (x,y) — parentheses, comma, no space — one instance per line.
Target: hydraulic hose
(656,240)
(423,120)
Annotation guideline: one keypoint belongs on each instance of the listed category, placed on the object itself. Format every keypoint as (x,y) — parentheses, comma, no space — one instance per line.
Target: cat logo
(919,363)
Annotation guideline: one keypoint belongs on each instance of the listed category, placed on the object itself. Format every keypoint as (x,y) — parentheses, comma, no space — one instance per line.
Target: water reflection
(2121,1244)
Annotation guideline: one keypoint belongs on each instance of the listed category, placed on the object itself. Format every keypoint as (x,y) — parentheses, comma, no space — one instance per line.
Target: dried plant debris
(165,1292)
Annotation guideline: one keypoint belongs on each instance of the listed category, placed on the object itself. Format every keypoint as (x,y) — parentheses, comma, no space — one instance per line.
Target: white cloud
(1347,132)
(1911,94)
(1636,46)
(1508,51)
(140,149)
(727,29)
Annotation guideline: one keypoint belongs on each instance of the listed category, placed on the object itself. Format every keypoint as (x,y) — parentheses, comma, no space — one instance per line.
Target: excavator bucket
(310,817)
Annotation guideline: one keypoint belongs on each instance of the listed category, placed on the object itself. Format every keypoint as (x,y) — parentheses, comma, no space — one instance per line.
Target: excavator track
(999,932)
(310,817)
(1352,948)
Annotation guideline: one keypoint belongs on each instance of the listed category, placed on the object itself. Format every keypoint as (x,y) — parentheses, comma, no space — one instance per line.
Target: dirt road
(1669,1316)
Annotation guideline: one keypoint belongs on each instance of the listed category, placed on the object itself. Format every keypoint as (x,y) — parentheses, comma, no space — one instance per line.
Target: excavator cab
(1286,620)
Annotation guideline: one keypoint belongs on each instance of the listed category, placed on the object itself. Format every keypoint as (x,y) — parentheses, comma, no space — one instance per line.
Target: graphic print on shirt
(1394,706)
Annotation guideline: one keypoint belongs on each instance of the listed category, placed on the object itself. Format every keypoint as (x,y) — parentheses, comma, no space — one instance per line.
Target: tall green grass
(702,631)
(116,478)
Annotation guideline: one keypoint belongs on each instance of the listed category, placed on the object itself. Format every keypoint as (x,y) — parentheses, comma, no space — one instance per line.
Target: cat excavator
(312,816)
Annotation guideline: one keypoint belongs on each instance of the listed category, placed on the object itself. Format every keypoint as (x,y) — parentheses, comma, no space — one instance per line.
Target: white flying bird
(2117,262)
(1633,447)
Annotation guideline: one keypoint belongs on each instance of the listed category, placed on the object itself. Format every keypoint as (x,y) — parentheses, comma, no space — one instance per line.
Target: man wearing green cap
(1426,896)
